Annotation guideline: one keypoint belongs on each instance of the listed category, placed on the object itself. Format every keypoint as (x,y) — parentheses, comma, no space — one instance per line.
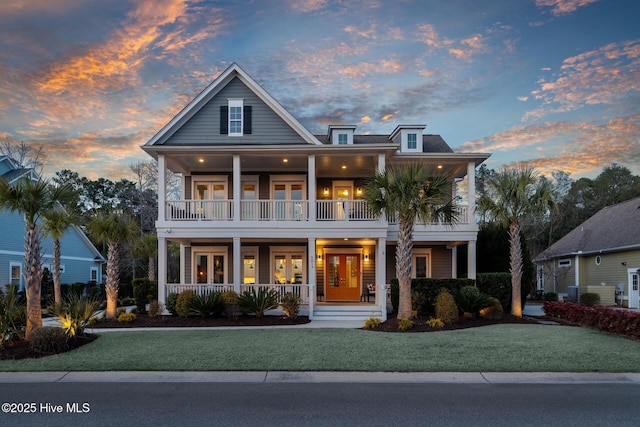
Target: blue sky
(554,83)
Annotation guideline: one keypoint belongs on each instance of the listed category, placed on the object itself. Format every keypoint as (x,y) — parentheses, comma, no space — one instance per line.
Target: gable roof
(613,228)
(216,86)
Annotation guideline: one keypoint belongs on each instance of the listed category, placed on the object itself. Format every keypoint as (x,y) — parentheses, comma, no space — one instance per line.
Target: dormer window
(412,141)
(235,118)
(341,134)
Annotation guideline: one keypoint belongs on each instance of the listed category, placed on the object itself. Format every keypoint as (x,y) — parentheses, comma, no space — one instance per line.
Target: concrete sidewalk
(323,377)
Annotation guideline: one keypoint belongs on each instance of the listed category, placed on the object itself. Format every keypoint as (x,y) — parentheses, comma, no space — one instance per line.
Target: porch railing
(280,210)
(302,290)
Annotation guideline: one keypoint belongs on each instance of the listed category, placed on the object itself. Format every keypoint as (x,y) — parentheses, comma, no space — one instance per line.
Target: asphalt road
(319,404)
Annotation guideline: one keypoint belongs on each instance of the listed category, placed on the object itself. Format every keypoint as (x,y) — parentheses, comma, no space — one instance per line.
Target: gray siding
(440,262)
(204,126)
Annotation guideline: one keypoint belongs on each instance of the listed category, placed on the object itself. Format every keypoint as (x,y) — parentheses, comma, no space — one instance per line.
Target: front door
(343,277)
(634,290)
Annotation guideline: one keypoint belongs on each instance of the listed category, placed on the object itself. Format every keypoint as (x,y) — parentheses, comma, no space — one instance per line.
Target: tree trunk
(515,264)
(113,280)
(33,278)
(403,266)
(55,266)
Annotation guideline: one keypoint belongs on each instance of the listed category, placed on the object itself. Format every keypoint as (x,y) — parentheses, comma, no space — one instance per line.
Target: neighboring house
(80,261)
(266,202)
(601,255)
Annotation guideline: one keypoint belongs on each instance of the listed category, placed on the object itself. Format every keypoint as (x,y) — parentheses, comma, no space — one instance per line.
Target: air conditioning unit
(572,292)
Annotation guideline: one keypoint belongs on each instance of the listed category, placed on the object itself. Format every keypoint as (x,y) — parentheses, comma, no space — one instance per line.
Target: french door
(343,277)
(288,201)
(211,197)
(634,290)
(289,268)
(209,268)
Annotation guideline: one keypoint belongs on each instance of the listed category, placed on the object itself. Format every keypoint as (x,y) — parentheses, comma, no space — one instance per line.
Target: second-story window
(342,139)
(412,141)
(235,117)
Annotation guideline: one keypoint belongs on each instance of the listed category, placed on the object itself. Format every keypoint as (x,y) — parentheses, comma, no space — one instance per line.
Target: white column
(311,173)
(162,269)
(381,162)
(576,277)
(381,276)
(454,262)
(162,187)
(311,274)
(237,187)
(183,261)
(237,263)
(471,192)
(471,259)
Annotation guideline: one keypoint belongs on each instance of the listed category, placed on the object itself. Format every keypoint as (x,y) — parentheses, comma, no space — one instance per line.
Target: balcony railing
(279,210)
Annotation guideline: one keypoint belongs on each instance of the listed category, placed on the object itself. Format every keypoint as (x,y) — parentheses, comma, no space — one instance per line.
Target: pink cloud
(563,7)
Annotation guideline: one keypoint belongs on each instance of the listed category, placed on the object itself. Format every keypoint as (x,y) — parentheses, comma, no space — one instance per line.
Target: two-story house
(265,202)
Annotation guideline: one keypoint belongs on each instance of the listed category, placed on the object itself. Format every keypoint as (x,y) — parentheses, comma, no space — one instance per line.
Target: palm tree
(112,229)
(31,198)
(56,223)
(147,246)
(514,194)
(409,194)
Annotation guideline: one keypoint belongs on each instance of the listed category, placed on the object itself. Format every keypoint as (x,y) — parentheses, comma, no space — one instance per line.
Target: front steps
(359,312)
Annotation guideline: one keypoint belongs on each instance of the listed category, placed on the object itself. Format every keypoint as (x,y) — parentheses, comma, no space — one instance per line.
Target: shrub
(259,301)
(75,313)
(493,312)
(429,289)
(155,308)
(589,299)
(184,302)
(48,340)
(418,302)
(291,305)
(207,305)
(470,300)
(550,296)
(372,323)
(143,292)
(435,323)
(405,324)
(170,303)
(126,317)
(497,285)
(12,317)
(446,308)
(230,301)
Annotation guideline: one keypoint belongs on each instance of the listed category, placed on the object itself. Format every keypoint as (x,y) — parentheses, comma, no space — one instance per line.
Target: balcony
(278,211)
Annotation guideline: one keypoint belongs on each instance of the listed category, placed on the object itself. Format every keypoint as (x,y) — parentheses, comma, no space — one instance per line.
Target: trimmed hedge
(620,322)
(498,285)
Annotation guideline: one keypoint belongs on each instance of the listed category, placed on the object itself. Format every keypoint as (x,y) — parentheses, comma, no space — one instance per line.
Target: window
(564,263)
(16,274)
(412,141)
(598,260)
(342,139)
(421,263)
(235,117)
(93,274)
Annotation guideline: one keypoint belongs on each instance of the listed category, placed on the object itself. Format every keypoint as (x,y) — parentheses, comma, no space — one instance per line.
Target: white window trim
(19,265)
(91,269)
(288,252)
(404,141)
(565,262)
(421,252)
(255,253)
(235,103)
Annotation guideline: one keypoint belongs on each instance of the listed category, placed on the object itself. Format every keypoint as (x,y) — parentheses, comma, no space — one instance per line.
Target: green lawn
(498,348)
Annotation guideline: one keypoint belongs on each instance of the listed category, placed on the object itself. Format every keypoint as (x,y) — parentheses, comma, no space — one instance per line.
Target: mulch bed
(420,323)
(21,349)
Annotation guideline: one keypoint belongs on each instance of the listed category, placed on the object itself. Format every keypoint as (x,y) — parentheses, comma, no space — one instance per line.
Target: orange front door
(343,277)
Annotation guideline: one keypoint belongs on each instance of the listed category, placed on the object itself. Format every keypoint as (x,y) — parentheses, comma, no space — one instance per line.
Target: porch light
(319,257)
(359,191)
(285,160)
(439,166)
(344,166)
(201,160)
(326,191)
(366,257)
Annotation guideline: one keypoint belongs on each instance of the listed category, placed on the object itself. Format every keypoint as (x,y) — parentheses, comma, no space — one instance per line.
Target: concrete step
(345,312)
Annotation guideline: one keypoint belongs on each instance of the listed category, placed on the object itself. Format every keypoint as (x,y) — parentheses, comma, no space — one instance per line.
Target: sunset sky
(555,83)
